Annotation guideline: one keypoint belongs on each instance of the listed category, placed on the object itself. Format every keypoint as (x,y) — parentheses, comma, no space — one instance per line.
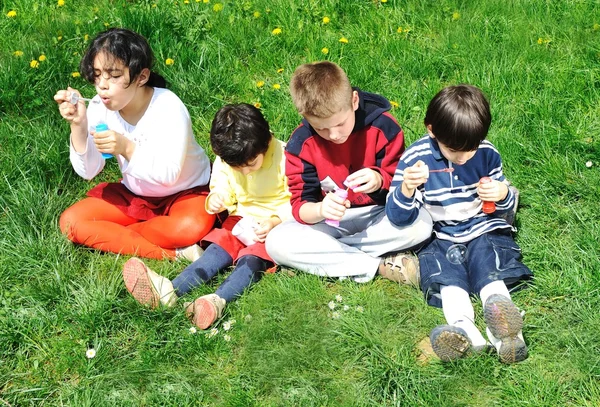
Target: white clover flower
(338,298)
(331,305)
(335,315)
(346,308)
(227,338)
(226,326)
(589,164)
(212,332)
(91,353)
(360,309)
(193,330)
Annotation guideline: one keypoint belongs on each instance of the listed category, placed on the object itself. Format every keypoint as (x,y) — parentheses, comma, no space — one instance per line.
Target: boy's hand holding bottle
(492,190)
(365,180)
(334,206)
(414,176)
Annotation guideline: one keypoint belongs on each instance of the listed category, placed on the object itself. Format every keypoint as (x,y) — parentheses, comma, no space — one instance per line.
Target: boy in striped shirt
(472,252)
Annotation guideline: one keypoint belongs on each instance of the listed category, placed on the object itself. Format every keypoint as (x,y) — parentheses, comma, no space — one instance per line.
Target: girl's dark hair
(239,133)
(459,117)
(124,45)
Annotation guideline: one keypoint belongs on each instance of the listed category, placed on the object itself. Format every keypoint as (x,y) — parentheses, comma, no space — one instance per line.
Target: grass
(539,63)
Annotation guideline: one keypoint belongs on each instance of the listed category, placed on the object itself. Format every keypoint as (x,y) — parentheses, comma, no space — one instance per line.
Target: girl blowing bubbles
(158,208)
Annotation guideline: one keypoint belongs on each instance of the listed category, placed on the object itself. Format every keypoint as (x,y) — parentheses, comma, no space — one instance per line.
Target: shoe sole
(449,344)
(138,283)
(504,321)
(203,313)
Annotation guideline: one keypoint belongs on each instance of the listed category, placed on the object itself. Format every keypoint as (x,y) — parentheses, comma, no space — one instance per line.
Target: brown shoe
(204,311)
(400,267)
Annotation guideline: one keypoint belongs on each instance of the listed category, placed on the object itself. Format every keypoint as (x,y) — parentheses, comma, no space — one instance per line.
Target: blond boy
(347,141)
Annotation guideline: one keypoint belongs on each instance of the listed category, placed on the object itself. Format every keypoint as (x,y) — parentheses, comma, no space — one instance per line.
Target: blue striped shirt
(450,197)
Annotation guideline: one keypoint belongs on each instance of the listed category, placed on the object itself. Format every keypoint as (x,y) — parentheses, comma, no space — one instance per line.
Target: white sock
(459,312)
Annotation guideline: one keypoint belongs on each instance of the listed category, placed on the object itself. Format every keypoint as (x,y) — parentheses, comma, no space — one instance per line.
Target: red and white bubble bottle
(488,206)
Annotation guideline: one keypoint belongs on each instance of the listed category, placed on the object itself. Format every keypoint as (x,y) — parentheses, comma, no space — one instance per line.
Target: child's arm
(331,207)
(496,191)
(402,206)
(75,114)
(222,195)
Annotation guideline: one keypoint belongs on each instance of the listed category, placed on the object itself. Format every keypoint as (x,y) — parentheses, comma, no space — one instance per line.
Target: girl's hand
(264,227)
(111,142)
(73,113)
(492,191)
(333,207)
(215,203)
(414,177)
(365,181)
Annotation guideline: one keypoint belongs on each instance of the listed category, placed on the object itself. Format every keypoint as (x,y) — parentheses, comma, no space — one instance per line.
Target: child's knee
(66,221)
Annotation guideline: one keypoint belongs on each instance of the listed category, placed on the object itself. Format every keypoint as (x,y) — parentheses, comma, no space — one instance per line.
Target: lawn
(537,60)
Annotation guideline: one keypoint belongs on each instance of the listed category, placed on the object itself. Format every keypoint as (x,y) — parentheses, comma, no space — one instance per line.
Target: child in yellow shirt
(248,183)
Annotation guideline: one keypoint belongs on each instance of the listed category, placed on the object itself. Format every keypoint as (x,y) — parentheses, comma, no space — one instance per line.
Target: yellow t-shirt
(261,194)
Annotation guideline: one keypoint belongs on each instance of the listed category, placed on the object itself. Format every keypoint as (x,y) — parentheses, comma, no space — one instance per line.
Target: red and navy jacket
(376,142)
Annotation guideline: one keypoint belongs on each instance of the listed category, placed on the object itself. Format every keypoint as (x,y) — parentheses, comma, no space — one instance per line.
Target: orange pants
(95,223)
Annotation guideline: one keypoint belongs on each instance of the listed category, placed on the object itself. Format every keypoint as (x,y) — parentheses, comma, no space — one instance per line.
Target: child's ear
(355,100)
(429,131)
(143,77)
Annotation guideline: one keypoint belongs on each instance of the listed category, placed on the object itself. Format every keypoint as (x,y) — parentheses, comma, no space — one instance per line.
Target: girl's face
(112,82)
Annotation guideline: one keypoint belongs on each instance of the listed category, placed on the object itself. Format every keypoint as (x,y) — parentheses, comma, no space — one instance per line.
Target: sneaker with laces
(204,311)
(449,342)
(400,267)
(146,286)
(190,253)
(505,322)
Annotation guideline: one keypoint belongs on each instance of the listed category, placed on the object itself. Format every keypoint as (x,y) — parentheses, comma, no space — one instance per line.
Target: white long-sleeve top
(167,158)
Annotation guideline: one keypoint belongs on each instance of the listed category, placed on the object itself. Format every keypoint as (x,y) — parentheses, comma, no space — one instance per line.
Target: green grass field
(537,60)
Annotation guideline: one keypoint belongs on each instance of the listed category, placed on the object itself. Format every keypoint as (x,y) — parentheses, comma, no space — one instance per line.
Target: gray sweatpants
(352,249)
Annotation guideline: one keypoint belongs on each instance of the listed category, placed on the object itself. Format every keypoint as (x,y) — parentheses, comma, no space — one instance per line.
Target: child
(248,181)
(441,172)
(347,141)
(158,207)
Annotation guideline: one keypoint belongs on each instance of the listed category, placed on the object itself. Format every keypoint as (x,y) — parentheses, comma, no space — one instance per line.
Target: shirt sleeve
(400,210)
(220,183)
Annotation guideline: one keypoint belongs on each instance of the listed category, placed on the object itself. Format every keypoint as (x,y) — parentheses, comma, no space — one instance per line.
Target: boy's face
(251,165)
(338,127)
(455,156)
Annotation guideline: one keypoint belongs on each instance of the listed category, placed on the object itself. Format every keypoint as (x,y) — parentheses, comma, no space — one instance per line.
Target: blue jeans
(490,257)
(248,270)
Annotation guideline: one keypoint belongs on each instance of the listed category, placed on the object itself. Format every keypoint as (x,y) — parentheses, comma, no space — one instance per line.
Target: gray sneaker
(505,322)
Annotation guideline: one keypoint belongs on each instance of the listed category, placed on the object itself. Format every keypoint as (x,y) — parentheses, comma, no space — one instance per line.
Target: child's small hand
(415,176)
(264,227)
(492,191)
(365,181)
(73,113)
(333,207)
(215,204)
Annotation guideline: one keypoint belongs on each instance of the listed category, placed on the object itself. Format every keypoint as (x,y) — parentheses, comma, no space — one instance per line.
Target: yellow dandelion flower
(34,63)
(325,51)
(455,15)
(280,70)
(59,38)
(42,58)
(18,53)
(596,27)
(169,61)
(11,14)
(106,24)
(256,14)
(276,86)
(276,31)
(257,105)
(75,74)
(206,1)
(384,1)
(394,104)
(217,7)
(267,10)
(154,5)
(260,84)
(540,41)
(399,30)
(326,20)
(86,37)
(344,40)
(186,2)
(60,3)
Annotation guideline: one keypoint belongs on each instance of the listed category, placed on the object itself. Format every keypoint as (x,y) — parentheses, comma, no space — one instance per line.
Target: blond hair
(320,89)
